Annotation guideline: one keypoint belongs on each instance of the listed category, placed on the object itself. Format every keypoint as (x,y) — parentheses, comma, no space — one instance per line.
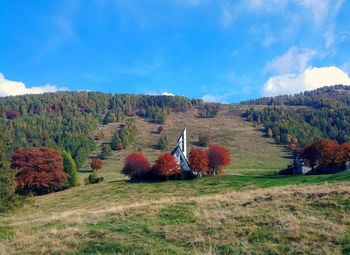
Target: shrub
(203,140)
(163,143)
(136,165)
(116,142)
(219,157)
(198,160)
(106,151)
(166,166)
(93,178)
(40,170)
(160,129)
(96,164)
(70,168)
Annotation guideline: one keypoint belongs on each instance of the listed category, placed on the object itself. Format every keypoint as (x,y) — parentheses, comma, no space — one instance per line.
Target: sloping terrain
(227,214)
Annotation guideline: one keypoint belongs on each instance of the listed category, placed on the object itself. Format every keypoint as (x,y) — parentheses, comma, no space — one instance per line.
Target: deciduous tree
(96,164)
(166,165)
(40,170)
(136,165)
(198,160)
(219,157)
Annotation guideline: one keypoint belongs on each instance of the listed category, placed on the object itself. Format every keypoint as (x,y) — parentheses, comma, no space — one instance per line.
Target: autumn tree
(70,168)
(96,164)
(136,165)
(166,166)
(40,170)
(219,157)
(324,152)
(198,160)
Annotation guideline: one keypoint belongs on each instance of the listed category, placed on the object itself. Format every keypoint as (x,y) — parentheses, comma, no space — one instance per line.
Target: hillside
(215,215)
(307,117)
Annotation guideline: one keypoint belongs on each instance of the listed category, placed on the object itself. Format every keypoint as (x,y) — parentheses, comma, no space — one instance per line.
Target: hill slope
(185,217)
(309,116)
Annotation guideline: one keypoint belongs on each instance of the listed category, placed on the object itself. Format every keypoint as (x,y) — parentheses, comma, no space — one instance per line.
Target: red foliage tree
(324,152)
(346,151)
(96,164)
(198,160)
(166,165)
(219,157)
(40,170)
(136,165)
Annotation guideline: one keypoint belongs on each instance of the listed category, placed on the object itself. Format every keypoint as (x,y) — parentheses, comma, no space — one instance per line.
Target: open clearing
(230,214)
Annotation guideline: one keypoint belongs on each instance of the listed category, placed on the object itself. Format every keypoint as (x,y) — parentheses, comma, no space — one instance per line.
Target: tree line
(323,113)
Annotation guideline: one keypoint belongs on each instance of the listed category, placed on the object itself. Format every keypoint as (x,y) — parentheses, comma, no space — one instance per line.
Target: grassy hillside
(228,214)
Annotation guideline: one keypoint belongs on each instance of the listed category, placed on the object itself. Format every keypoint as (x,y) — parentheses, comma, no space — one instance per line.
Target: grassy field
(247,210)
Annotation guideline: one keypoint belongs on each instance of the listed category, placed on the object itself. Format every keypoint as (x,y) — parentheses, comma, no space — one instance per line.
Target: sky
(217,50)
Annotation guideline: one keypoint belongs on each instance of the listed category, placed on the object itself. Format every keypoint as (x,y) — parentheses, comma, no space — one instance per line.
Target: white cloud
(209,98)
(311,78)
(167,94)
(154,93)
(294,60)
(13,88)
(226,17)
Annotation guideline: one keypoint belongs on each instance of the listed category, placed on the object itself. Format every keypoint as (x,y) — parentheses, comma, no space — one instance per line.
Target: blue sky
(217,50)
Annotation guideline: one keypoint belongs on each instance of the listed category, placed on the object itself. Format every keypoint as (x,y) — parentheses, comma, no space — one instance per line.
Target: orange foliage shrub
(100,135)
(96,164)
(166,165)
(136,165)
(198,160)
(219,157)
(40,170)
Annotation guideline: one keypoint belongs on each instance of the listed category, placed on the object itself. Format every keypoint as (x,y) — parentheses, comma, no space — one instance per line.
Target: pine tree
(70,168)
(116,142)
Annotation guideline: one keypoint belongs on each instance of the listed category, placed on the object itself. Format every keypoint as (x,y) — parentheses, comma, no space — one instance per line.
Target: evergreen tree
(70,168)
(163,143)
(116,142)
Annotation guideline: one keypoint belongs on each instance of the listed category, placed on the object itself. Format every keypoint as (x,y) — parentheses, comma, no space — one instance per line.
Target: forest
(306,117)
(66,121)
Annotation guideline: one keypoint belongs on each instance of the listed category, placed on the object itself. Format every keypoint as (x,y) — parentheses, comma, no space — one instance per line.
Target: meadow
(248,210)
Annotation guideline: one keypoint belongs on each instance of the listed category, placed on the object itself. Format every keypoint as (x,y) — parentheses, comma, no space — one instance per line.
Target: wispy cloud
(295,60)
(13,88)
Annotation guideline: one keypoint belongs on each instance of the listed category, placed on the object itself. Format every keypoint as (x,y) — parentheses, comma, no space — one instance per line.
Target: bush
(96,164)
(198,160)
(136,165)
(219,157)
(166,166)
(116,142)
(93,178)
(163,143)
(203,140)
(160,129)
(70,168)
(40,170)
(106,151)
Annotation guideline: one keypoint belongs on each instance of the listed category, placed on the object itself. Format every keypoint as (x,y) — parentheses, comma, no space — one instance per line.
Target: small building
(299,166)
(180,151)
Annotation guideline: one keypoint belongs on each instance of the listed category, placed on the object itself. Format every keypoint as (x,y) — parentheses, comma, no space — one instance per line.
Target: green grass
(249,210)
